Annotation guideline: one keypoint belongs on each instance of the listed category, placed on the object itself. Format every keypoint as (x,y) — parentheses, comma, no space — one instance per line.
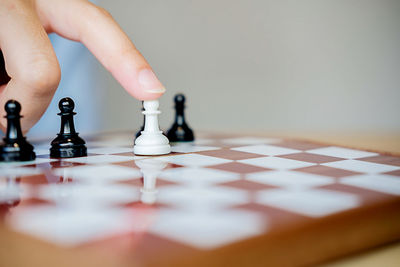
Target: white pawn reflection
(10,191)
(150,168)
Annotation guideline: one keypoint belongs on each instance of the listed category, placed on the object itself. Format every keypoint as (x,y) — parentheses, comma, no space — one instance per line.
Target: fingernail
(149,82)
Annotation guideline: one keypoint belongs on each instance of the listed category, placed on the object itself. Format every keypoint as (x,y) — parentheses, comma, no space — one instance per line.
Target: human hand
(30,72)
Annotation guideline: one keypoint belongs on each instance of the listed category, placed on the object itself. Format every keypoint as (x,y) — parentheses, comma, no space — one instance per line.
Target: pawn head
(179,99)
(66,105)
(12,107)
(150,105)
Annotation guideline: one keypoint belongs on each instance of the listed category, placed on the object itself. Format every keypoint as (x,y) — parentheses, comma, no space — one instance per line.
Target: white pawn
(151,141)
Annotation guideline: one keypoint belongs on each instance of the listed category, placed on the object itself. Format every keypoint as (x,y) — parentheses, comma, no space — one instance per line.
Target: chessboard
(221,200)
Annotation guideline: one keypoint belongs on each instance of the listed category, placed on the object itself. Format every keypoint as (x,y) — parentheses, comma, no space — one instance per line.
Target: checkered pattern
(208,194)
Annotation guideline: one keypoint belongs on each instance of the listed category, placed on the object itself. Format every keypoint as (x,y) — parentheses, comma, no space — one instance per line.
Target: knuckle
(43,76)
(97,11)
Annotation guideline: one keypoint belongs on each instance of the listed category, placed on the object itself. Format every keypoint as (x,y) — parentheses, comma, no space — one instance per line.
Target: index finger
(82,21)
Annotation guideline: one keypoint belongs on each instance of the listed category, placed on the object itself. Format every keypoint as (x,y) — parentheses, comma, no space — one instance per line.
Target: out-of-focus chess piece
(180,131)
(15,147)
(141,128)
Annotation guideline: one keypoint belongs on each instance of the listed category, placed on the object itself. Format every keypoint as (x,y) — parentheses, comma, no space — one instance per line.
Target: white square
(70,227)
(267,150)
(111,150)
(312,202)
(16,172)
(198,176)
(202,198)
(190,148)
(378,182)
(361,166)
(250,140)
(207,230)
(289,179)
(22,163)
(276,163)
(99,173)
(102,159)
(88,195)
(340,152)
(194,160)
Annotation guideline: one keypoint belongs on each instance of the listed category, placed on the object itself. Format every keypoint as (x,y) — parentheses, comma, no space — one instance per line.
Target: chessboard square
(299,145)
(69,227)
(326,171)
(313,158)
(340,152)
(250,140)
(289,179)
(267,150)
(208,230)
(202,198)
(375,182)
(394,173)
(312,202)
(276,163)
(22,163)
(198,176)
(383,159)
(111,150)
(238,167)
(361,166)
(88,195)
(13,172)
(194,160)
(39,179)
(190,148)
(99,173)
(229,154)
(101,159)
(247,185)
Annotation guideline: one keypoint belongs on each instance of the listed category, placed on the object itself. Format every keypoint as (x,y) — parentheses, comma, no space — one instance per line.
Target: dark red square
(238,168)
(383,159)
(229,154)
(313,158)
(327,171)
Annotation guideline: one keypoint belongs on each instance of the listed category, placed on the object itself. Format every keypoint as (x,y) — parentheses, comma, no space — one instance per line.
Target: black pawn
(67,144)
(141,129)
(180,131)
(15,147)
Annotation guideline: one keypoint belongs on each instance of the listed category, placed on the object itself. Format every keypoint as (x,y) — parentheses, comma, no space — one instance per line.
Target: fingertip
(151,96)
(141,83)
(144,95)
(149,82)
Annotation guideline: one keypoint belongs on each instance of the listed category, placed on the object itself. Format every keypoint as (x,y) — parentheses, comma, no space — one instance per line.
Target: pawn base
(9,154)
(68,152)
(152,150)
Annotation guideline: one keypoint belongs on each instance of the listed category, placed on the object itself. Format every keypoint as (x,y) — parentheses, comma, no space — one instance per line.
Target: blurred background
(254,66)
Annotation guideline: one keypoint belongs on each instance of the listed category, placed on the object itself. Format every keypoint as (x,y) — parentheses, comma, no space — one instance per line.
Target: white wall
(266,65)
